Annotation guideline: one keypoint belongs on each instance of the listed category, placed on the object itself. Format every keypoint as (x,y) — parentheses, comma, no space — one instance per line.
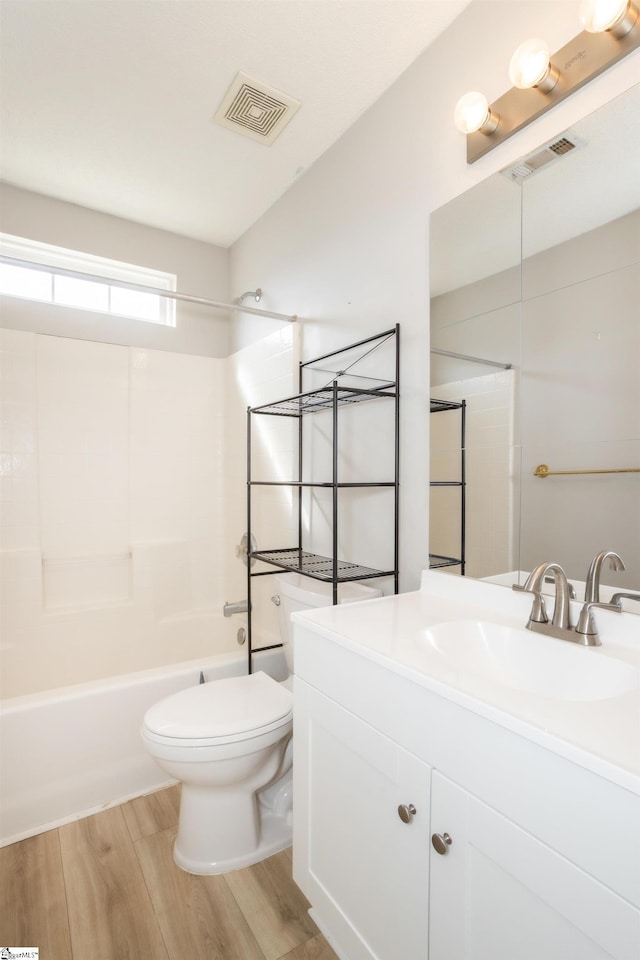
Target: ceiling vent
(535,162)
(255,109)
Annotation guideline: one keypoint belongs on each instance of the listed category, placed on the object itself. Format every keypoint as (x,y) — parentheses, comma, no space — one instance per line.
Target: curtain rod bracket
(256,294)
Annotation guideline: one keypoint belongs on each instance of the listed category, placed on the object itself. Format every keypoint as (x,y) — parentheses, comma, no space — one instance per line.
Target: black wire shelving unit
(327,400)
(438,561)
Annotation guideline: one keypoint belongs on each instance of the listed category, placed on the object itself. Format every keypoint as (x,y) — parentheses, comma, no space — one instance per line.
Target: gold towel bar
(543,471)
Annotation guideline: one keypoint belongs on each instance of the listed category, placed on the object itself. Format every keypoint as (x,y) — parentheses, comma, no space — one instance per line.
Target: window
(54,286)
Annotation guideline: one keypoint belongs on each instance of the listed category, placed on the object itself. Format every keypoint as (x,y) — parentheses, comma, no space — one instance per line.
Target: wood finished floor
(106,888)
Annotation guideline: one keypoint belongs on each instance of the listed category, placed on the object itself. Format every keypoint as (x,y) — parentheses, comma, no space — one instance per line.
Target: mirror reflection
(535,277)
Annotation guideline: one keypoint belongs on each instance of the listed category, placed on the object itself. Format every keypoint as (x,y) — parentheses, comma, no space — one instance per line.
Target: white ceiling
(109,103)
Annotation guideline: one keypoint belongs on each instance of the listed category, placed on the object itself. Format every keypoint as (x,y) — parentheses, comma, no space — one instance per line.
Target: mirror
(535,273)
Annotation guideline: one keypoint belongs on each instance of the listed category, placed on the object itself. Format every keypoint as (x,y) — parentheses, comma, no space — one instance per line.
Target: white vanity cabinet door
(498,893)
(365,871)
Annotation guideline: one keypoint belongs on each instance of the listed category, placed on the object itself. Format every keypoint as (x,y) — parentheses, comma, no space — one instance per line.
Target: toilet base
(275,835)
(221,831)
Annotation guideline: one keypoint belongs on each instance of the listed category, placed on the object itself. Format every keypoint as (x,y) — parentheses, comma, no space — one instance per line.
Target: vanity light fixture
(613,16)
(473,113)
(541,80)
(530,67)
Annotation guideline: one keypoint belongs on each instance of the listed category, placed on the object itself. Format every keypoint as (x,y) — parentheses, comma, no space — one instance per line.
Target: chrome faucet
(538,619)
(585,631)
(592,589)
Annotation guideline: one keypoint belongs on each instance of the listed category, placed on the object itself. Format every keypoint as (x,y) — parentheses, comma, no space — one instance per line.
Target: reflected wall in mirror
(539,268)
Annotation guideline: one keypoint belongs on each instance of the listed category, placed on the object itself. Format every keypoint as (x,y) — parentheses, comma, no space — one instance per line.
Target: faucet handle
(538,609)
(617,597)
(586,624)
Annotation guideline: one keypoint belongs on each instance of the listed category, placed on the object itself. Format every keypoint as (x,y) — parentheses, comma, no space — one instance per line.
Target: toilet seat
(222,711)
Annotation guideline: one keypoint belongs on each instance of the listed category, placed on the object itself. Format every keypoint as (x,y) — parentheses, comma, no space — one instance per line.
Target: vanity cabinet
(544,858)
(362,848)
(499,893)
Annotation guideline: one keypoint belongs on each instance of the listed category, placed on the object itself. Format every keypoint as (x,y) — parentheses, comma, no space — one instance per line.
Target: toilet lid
(221,708)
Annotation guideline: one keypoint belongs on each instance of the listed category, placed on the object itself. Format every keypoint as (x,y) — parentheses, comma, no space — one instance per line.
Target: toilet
(229,742)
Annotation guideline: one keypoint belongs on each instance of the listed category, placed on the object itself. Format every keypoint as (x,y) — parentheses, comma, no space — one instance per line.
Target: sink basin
(530,662)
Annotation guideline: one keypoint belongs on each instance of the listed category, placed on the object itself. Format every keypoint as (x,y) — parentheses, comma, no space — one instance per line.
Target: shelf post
(334,532)
(396,493)
(249,618)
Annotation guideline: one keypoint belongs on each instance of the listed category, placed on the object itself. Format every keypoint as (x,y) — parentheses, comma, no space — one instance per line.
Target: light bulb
(616,16)
(473,113)
(530,67)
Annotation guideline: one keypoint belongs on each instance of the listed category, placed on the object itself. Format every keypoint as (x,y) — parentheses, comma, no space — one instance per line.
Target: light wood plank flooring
(106,888)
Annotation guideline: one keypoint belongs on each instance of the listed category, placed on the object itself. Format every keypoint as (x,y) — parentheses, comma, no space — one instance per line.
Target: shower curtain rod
(464,356)
(141,288)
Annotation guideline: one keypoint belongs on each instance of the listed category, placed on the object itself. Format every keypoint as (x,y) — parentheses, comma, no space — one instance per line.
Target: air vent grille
(562,146)
(255,109)
(526,167)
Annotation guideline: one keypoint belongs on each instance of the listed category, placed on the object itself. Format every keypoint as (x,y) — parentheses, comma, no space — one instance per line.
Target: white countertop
(602,735)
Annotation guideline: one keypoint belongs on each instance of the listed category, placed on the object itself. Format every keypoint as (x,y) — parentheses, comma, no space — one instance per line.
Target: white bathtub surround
(70,752)
(498,769)
(123,474)
(112,509)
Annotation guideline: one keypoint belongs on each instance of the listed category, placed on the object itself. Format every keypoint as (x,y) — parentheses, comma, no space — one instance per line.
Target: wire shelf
(318,400)
(436,561)
(438,405)
(315,565)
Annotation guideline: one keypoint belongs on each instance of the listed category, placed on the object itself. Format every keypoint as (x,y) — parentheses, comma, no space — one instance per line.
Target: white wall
(201,268)
(347,247)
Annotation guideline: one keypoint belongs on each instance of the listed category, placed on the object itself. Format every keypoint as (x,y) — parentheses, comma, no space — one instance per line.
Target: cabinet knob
(441,843)
(406,811)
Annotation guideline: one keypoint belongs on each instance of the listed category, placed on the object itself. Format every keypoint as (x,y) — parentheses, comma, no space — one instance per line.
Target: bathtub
(73,751)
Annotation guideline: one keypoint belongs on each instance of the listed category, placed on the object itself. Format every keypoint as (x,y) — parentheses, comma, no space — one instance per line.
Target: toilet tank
(297,592)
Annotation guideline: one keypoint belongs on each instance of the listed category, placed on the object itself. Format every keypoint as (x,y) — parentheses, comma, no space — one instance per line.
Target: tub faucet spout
(240,606)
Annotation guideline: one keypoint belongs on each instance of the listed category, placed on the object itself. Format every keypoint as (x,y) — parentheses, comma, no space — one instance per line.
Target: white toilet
(229,743)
